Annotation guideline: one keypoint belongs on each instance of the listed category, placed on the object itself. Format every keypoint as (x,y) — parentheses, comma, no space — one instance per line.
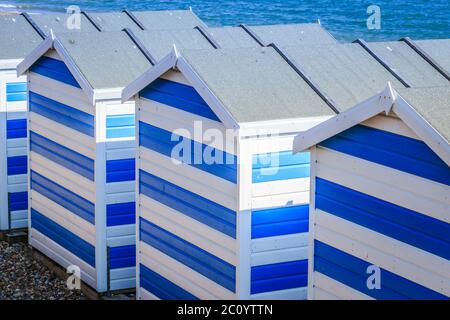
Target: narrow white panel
(120,284)
(15,152)
(120,197)
(279,242)
(338,289)
(120,187)
(19,224)
(121,241)
(16,106)
(118,231)
(289,294)
(17,179)
(390,124)
(280,200)
(190,229)
(280,187)
(320,294)
(183,276)
(16,143)
(119,154)
(17,116)
(123,273)
(284,255)
(17,188)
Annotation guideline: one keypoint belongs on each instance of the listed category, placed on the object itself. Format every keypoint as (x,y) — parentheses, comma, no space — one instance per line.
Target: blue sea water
(346,20)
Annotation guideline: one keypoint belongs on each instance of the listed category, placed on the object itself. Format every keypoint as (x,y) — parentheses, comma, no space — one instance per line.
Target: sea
(348,20)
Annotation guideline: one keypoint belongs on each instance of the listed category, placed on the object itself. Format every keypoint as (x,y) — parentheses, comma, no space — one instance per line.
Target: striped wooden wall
(382,198)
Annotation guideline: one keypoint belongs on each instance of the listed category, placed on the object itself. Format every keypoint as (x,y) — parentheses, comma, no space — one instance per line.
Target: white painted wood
(279,187)
(114,198)
(280,200)
(34,55)
(145,295)
(289,294)
(279,242)
(282,255)
(390,124)
(338,289)
(312,217)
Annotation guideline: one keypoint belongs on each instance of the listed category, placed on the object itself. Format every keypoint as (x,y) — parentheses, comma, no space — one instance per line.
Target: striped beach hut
(235,227)
(380,198)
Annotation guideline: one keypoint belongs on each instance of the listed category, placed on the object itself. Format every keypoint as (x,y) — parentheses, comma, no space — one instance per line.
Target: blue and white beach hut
(380,198)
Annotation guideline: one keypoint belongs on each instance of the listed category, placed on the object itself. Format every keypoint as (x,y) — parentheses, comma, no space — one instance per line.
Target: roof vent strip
(426,57)
(91,20)
(252,34)
(140,45)
(134,18)
(365,46)
(34,25)
(294,65)
(208,37)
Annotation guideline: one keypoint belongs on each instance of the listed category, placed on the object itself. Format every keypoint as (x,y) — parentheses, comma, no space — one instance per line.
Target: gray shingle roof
(161,20)
(439,50)
(433,104)
(106,59)
(59,23)
(294,34)
(17,37)
(233,37)
(410,65)
(256,84)
(113,21)
(345,72)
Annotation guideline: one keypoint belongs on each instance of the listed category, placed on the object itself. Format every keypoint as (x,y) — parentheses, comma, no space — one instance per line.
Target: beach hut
(235,227)
(380,198)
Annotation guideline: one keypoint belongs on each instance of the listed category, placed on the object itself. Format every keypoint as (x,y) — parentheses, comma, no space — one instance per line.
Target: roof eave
(9,64)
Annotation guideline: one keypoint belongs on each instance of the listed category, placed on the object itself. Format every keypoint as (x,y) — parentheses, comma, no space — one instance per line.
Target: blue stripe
(161,287)
(279,221)
(120,170)
(18,201)
(405,225)
(65,198)
(122,257)
(120,214)
(54,69)
(188,254)
(120,126)
(279,276)
(280,166)
(79,247)
(188,203)
(17,165)
(178,95)
(16,129)
(164,142)
(391,150)
(352,272)
(63,114)
(63,156)
(16,91)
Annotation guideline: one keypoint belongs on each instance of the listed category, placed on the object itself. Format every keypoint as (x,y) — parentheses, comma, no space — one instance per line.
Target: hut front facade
(380,198)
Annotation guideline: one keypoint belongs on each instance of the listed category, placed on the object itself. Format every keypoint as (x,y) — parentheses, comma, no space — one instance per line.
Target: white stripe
(270,142)
(123,284)
(16,106)
(122,153)
(119,231)
(17,143)
(397,257)
(120,197)
(182,276)
(320,294)
(397,187)
(123,273)
(19,215)
(62,256)
(19,224)
(262,189)
(187,177)
(189,229)
(20,151)
(125,144)
(121,241)
(65,218)
(60,92)
(284,255)
(70,138)
(17,179)
(170,119)
(280,200)
(120,187)
(288,294)
(17,188)
(66,178)
(145,295)
(337,289)
(17,115)
(116,108)
(279,242)
(390,124)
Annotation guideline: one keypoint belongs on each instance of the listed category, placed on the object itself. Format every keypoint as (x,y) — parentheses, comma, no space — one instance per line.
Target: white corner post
(100,197)
(137,200)
(244,218)
(3,156)
(312,224)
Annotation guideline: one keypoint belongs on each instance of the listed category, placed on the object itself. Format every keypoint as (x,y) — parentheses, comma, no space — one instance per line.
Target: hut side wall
(187,212)
(380,198)
(13,151)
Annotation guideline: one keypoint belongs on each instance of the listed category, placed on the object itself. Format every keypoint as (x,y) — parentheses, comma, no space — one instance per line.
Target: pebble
(24,278)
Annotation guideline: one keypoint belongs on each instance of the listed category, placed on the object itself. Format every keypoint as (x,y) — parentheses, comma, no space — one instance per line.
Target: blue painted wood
(280,221)
(188,203)
(120,170)
(120,126)
(282,165)
(18,201)
(161,287)
(188,254)
(16,128)
(120,214)
(63,237)
(352,272)
(164,142)
(61,113)
(65,198)
(16,91)
(178,95)
(17,165)
(54,69)
(122,257)
(61,155)
(279,276)
(391,150)
(405,225)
